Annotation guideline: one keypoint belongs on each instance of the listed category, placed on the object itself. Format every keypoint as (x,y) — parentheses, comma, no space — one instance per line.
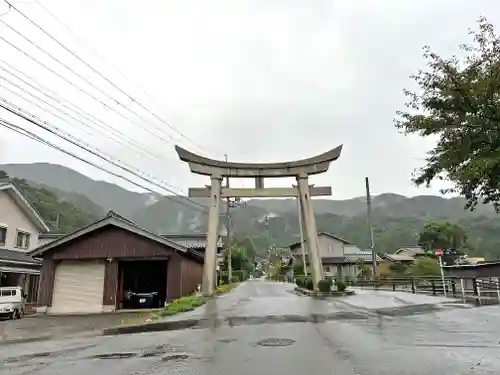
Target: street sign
(439,252)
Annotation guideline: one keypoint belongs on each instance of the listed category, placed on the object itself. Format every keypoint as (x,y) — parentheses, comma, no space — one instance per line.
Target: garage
(78,287)
(94,269)
(143,284)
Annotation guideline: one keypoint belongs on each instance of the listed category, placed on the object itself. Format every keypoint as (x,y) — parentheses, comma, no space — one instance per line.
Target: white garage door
(78,287)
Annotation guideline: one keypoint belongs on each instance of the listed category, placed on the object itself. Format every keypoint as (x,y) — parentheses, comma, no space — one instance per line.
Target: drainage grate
(275,342)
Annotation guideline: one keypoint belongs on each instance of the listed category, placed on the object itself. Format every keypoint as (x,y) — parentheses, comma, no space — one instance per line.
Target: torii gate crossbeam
(300,169)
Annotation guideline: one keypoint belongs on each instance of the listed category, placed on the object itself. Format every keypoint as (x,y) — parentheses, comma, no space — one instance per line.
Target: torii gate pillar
(311,231)
(209,281)
(300,169)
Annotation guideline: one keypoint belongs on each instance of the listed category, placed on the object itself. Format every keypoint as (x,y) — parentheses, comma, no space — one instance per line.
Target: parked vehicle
(12,302)
(144,300)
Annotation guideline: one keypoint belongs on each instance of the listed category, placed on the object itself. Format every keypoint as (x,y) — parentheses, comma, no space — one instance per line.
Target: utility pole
(370,226)
(229,234)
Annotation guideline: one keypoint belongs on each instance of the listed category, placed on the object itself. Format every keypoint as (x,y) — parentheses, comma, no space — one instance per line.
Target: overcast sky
(257,80)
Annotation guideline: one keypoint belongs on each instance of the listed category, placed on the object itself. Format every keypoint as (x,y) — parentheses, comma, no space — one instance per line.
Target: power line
(35,120)
(100,74)
(94,51)
(83,79)
(87,115)
(95,150)
(43,141)
(60,130)
(76,86)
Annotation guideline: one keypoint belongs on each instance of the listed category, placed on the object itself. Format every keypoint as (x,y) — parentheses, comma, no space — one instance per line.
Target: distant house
(339,256)
(94,269)
(405,255)
(20,226)
(196,242)
(415,251)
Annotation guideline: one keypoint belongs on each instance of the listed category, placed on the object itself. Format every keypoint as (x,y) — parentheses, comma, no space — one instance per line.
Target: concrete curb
(25,340)
(169,325)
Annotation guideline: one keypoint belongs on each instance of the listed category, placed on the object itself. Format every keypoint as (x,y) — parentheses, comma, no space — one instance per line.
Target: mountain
(396,219)
(61,216)
(63,179)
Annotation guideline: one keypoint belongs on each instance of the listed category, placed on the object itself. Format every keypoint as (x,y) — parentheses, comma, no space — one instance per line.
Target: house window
(23,240)
(3,235)
(327,269)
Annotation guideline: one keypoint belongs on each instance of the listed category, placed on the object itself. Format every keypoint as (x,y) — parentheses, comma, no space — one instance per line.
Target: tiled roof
(365,256)
(354,253)
(45,238)
(399,257)
(16,256)
(417,250)
(195,241)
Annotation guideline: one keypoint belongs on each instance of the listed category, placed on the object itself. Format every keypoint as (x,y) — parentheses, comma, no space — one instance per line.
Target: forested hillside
(61,216)
(397,219)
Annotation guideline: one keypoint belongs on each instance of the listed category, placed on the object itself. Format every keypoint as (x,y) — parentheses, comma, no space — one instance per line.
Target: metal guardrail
(479,289)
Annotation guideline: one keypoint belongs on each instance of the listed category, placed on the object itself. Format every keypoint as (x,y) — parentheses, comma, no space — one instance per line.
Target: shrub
(309,284)
(300,280)
(241,274)
(324,285)
(341,286)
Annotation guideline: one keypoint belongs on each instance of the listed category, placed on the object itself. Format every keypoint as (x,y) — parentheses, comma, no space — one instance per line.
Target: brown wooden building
(92,269)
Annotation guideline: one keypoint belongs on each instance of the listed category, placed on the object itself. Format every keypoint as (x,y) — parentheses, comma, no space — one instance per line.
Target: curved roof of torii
(205,166)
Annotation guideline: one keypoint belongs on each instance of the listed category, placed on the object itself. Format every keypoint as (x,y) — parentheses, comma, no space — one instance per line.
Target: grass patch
(225,288)
(182,304)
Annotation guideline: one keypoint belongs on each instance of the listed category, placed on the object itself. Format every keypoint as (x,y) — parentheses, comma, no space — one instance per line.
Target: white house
(20,225)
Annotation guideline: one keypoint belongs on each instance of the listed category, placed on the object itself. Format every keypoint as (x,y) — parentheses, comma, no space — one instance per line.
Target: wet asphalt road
(368,334)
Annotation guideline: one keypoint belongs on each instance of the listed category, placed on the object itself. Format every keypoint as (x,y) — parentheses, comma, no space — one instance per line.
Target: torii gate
(300,169)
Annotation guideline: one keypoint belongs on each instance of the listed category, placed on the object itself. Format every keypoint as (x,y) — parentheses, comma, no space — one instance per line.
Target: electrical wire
(35,120)
(103,126)
(85,91)
(94,51)
(43,141)
(133,99)
(69,135)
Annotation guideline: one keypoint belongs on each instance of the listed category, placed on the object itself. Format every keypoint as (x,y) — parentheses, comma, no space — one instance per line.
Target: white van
(12,302)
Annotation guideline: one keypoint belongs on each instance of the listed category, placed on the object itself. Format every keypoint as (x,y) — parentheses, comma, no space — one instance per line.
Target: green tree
(424,267)
(240,260)
(441,235)
(447,236)
(458,102)
(3,175)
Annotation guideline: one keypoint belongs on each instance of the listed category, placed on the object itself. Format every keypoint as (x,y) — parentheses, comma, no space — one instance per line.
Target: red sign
(439,252)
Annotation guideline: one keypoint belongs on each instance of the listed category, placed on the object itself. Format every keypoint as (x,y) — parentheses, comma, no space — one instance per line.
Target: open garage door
(78,287)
